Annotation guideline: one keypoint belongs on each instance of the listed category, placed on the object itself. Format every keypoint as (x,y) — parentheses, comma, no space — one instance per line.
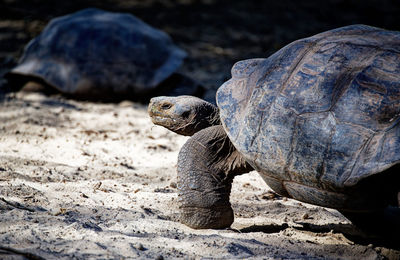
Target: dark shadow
(11,252)
(216,33)
(18,205)
(348,230)
(353,234)
(59,103)
(176,84)
(268,229)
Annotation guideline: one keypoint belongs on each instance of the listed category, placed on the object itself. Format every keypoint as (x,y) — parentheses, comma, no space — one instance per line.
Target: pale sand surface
(93,180)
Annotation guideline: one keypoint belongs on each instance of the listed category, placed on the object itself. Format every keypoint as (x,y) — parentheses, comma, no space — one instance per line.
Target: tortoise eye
(186,114)
(166,106)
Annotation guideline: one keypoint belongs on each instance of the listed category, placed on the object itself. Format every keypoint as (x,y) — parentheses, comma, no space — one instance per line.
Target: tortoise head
(184,115)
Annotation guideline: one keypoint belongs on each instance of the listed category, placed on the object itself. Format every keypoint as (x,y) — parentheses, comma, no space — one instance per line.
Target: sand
(83,180)
(87,180)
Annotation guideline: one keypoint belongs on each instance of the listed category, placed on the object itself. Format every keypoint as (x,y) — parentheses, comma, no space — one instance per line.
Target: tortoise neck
(207,164)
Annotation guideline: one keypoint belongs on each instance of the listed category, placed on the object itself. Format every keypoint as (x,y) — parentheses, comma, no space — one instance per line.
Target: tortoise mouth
(162,120)
(174,124)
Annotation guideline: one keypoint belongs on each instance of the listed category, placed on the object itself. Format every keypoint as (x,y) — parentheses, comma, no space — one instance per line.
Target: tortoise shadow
(175,85)
(349,231)
(268,229)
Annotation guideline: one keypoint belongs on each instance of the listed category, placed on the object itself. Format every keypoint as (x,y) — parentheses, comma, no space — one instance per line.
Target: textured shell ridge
(115,52)
(300,129)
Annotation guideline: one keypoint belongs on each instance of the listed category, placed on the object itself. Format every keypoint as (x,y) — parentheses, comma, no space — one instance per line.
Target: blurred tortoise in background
(95,53)
(319,120)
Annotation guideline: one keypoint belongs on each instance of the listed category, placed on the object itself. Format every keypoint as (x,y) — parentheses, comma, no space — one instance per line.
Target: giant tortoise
(318,120)
(96,53)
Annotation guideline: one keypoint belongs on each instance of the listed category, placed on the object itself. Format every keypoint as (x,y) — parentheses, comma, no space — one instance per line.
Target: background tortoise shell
(93,51)
(320,115)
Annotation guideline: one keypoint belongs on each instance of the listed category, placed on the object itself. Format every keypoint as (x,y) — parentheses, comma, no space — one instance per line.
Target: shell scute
(94,51)
(322,112)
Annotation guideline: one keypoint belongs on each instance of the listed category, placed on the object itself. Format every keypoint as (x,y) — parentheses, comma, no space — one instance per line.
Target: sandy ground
(91,180)
(83,180)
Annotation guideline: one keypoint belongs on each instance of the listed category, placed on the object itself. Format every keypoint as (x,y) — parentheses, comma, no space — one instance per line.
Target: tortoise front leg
(207,164)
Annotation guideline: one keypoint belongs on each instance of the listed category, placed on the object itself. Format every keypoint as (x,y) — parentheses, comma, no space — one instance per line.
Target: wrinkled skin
(184,115)
(207,163)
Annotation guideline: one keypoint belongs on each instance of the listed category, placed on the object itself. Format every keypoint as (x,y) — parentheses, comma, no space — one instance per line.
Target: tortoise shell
(94,51)
(320,115)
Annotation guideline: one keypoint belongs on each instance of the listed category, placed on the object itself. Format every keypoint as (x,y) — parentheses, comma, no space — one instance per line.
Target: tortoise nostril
(166,106)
